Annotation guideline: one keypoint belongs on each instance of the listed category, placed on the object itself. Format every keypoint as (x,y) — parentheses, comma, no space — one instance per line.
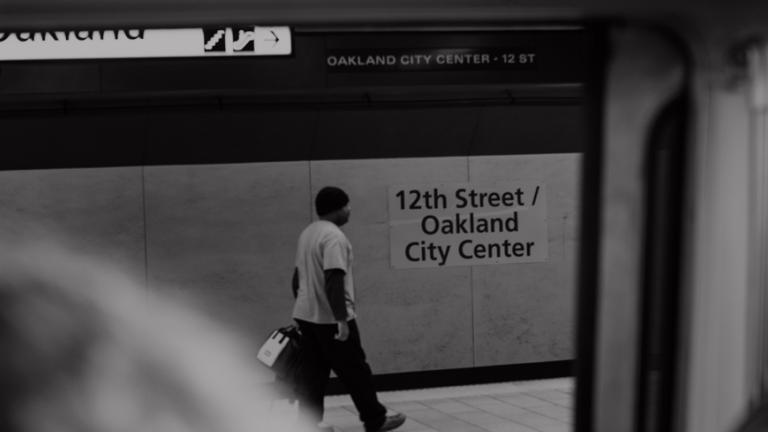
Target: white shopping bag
(272,348)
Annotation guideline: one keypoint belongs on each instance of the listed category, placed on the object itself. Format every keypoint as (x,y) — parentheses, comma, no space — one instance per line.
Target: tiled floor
(522,406)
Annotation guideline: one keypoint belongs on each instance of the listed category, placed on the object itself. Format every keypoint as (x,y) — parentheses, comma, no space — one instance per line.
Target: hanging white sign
(145,43)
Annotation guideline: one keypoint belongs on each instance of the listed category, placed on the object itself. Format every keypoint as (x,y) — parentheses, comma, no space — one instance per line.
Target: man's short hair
(330,199)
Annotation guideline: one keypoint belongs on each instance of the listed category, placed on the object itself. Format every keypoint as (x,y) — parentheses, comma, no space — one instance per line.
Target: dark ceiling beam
(76,14)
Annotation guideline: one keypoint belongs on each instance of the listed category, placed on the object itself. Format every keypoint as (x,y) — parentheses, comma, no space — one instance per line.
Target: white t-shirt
(322,246)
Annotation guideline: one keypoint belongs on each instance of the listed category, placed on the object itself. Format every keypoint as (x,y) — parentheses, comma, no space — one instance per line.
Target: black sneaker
(390,422)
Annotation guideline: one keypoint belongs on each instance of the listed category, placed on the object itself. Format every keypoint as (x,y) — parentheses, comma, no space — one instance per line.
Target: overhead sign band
(146,43)
(430,59)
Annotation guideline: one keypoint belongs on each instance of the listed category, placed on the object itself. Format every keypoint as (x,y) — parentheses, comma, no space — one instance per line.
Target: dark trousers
(322,353)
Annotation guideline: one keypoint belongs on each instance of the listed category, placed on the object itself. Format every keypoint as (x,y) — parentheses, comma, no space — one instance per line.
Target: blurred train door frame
(630,285)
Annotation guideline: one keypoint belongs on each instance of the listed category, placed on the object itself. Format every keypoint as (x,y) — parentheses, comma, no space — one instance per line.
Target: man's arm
(334,289)
(295,282)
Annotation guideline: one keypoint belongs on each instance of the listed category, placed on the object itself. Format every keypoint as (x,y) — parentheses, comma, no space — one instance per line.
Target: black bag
(281,352)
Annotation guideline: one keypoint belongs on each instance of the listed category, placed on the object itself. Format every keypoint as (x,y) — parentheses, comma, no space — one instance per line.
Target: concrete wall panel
(525,312)
(226,234)
(96,210)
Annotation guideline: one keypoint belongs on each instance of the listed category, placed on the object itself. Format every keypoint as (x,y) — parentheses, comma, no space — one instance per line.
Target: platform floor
(520,406)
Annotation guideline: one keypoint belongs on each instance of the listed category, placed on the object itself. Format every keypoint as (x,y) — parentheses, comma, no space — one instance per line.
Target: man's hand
(342,331)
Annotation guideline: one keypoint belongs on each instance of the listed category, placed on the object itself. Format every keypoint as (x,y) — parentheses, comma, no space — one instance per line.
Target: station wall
(223,235)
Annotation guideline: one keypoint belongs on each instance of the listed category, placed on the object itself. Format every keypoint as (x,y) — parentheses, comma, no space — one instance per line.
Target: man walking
(325,312)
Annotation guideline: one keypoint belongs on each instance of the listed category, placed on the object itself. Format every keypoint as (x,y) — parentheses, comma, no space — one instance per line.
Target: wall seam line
(472,268)
(146,228)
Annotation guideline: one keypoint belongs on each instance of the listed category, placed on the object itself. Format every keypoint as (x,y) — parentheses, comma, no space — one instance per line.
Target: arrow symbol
(275,40)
